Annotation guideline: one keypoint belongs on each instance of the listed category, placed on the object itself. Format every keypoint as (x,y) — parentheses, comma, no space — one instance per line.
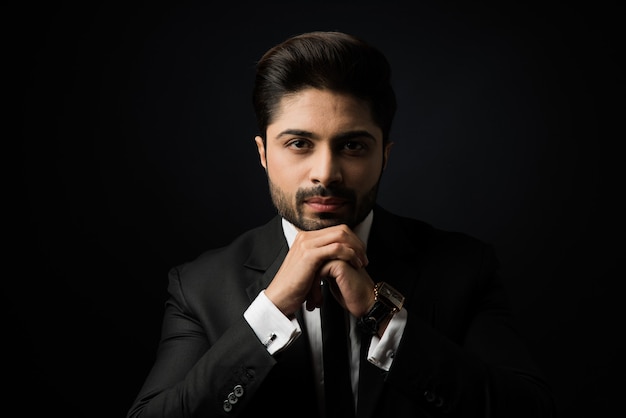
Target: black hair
(325,60)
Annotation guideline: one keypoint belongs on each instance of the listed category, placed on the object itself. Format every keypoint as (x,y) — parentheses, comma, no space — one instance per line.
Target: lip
(325,204)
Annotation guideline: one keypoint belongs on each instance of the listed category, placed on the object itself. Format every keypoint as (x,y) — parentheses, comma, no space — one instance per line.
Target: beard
(291,207)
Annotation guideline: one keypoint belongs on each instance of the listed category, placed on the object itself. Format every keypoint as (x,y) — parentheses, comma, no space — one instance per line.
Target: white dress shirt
(276,331)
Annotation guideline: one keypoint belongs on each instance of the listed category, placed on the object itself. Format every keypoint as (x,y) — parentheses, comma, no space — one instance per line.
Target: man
(337,308)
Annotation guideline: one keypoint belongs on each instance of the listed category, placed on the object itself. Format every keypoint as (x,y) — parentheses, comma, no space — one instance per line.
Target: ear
(386,151)
(261,148)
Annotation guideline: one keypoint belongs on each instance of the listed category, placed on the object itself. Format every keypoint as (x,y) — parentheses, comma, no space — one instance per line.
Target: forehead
(320,110)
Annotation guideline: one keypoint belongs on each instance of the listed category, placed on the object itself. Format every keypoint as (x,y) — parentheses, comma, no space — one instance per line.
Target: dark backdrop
(137,154)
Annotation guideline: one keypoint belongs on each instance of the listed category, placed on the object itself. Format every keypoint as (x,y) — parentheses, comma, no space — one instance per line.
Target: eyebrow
(344,136)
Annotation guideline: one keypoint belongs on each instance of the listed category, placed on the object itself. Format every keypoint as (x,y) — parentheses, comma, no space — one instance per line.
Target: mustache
(339,192)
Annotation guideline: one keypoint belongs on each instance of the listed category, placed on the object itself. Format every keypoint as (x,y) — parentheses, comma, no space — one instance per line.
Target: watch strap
(370,322)
(387,301)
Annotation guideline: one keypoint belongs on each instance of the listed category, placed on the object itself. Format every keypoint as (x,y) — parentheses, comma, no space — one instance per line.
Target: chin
(309,224)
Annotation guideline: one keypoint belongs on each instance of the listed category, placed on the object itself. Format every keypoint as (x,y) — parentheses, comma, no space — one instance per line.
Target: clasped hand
(332,254)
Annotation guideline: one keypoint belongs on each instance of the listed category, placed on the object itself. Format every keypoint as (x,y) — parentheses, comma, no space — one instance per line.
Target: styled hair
(332,61)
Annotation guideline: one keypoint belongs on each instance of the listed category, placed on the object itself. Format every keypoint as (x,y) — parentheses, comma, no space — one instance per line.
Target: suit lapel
(266,255)
(393,258)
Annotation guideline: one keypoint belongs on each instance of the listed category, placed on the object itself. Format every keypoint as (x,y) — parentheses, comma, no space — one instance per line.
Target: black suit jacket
(459,354)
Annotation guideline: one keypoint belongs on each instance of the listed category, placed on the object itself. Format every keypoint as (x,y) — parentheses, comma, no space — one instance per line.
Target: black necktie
(337,386)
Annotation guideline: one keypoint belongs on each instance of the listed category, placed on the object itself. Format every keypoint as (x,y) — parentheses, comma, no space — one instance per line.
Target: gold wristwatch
(387,301)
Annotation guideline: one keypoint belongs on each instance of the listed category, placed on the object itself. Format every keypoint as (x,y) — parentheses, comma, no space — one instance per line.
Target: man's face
(324,157)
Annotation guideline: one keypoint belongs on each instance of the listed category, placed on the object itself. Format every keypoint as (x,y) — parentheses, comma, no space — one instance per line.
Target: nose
(325,168)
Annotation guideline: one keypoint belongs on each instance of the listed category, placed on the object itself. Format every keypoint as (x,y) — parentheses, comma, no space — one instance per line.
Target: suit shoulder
(435,239)
(236,252)
(420,227)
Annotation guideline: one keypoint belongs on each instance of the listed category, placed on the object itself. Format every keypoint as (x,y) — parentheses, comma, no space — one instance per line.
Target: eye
(354,147)
(298,144)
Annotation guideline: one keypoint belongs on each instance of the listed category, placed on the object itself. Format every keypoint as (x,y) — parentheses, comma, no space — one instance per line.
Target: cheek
(366,175)
(283,172)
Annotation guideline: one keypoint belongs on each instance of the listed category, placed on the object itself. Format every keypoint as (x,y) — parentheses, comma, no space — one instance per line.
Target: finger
(344,235)
(341,252)
(314,257)
(351,288)
(337,242)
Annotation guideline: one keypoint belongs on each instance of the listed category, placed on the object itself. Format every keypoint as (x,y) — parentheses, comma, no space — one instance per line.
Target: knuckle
(336,247)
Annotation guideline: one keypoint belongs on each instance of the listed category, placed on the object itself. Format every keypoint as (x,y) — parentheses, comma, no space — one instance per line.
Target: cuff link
(270,339)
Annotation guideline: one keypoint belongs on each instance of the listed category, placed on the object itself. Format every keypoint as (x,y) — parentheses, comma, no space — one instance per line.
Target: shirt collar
(362,230)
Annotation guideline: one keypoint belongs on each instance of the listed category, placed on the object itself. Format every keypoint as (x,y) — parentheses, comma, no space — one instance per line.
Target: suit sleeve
(194,377)
(483,371)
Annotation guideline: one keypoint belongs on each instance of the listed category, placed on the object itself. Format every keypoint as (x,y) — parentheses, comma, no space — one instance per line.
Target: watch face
(391,295)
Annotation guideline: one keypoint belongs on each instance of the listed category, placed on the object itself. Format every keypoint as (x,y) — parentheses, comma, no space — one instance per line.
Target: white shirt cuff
(270,325)
(383,349)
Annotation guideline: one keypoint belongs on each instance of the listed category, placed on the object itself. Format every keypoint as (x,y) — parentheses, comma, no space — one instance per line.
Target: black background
(137,153)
